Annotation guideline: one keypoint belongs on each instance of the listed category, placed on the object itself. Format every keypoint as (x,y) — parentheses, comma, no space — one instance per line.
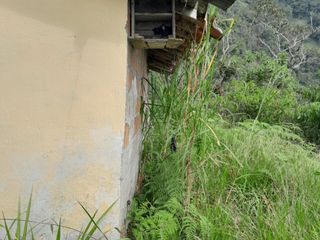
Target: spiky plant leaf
(26,222)
(58,236)
(8,233)
(94,222)
(18,228)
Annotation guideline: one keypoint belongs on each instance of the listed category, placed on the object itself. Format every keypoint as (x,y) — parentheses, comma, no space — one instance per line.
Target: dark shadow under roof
(223,4)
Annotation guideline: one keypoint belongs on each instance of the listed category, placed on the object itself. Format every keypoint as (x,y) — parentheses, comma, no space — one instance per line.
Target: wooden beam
(174,43)
(138,42)
(156,43)
(133,20)
(174,18)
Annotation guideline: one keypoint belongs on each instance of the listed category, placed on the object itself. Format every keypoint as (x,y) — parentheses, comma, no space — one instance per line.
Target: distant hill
(305,10)
(257,23)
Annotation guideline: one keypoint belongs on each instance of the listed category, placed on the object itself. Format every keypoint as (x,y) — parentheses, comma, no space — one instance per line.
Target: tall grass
(206,178)
(22,228)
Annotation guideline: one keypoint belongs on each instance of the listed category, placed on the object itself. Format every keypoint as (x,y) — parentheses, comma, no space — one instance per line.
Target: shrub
(247,100)
(309,120)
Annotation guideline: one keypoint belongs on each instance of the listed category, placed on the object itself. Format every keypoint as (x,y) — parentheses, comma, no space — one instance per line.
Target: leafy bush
(260,88)
(311,94)
(247,100)
(259,68)
(309,121)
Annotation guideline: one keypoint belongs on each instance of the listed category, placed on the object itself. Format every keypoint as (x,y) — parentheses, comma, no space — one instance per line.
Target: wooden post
(133,19)
(174,18)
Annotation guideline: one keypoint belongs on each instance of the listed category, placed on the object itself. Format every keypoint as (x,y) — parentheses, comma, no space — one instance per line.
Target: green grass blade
(58,237)
(51,228)
(80,236)
(83,235)
(102,217)
(8,234)
(26,222)
(18,229)
(12,224)
(32,235)
(95,223)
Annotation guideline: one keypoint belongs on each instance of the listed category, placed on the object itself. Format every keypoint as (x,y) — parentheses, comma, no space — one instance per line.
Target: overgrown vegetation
(24,228)
(238,163)
(280,28)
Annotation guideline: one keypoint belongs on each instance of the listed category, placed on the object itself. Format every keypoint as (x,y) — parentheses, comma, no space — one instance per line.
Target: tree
(266,25)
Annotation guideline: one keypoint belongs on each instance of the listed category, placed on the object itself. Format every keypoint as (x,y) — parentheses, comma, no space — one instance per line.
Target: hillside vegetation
(280,28)
(230,145)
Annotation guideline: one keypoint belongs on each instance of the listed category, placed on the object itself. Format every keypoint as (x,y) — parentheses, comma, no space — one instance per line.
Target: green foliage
(261,24)
(264,89)
(29,227)
(309,120)
(262,69)
(225,179)
(311,94)
(152,223)
(303,9)
(261,88)
(246,100)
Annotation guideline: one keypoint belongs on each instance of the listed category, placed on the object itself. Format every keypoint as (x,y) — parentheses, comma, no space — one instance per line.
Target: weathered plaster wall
(63,69)
(136,91)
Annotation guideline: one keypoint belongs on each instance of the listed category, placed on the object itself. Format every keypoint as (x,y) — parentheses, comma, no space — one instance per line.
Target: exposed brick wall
(137,69)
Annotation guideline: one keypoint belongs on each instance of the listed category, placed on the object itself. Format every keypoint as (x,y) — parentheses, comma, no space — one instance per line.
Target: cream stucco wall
(63,67)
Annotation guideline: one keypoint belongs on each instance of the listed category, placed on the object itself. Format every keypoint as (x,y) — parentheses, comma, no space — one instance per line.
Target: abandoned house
(70,95)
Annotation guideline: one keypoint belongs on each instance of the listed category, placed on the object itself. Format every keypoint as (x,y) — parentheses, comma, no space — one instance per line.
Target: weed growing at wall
(24,228)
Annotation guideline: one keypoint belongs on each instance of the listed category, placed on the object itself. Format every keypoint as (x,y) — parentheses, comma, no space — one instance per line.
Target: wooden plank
(179,52)
(146,17)
(159,68)
(161,62)
(163,58)
(174,42)
(133,21)
(169,54)
(174,18)
(138,42)
(156,43)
